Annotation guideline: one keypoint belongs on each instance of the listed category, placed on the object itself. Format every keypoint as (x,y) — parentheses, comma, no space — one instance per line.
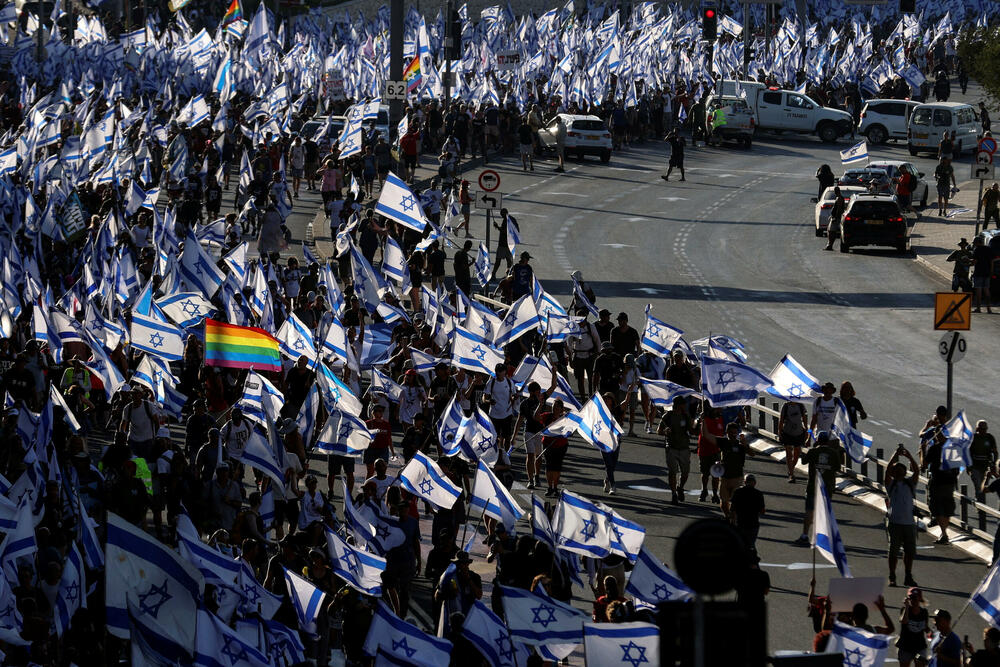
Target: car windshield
(588,124)
(890,169)
(921,117)
(875,209)
(863,176)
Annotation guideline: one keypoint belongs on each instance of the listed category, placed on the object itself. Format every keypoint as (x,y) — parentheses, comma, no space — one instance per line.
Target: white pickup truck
(789,111)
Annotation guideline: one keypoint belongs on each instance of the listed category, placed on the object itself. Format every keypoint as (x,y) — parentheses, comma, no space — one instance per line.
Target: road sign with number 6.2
(951,347)
(395,90)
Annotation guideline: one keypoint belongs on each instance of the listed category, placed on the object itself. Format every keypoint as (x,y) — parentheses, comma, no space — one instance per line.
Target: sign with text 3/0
(394,90)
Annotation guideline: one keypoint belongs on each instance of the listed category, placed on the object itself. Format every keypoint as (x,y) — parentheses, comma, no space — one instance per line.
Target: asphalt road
(731,250)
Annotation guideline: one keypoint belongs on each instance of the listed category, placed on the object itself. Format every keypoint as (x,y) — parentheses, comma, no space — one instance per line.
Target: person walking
(792,433)
(560,137)
(983,452)
(984,116)
(983,260)
(676,154)
(503,248)
(941,485)
(833,227)
(913,629)
(826,180)
(825,458)
(746,508)
(960,272)
(991,206)
(900,491)
(944,176)
(678,425)
(463,262)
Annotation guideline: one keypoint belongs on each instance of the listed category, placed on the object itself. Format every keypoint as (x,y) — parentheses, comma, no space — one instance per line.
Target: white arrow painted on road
(726,176)
(647,290)
(674,198)
(799,566)
(618,246)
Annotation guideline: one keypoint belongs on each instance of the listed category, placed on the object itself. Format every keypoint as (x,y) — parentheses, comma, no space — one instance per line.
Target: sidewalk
(933,238)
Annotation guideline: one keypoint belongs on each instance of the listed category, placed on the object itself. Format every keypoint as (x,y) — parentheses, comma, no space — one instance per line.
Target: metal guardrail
(870,473)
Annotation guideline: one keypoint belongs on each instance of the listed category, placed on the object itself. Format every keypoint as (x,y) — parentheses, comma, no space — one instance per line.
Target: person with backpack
(501,396)
(792,433)
(140,421)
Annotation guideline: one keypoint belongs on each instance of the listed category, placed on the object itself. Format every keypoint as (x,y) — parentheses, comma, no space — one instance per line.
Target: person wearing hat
(623,337)
(913,628)
(582,350)
(417,437)
(604,325)
(746,508)
(459,589)
(960,272)
(76,374)
(825,458)
(607,369)
(824,409)
(946,647)
(521,277)
(502,224)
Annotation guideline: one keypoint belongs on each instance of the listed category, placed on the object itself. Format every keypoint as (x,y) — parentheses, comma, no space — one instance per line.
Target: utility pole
(395,58)
(747,28)
(449,41)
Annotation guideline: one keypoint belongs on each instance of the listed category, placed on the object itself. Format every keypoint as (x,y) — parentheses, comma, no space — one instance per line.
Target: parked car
(585,135)
(882,120)
(930,121)
(865,177)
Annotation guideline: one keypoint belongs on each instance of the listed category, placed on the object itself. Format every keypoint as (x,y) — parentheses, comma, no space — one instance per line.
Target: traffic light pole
(747,28)
(395,58)
(448,46)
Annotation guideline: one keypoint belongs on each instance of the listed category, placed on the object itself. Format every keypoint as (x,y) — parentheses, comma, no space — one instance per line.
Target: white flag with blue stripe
(217,568)
(344,434)
(956,451)
(397,202)
(792,382)
(653,582)
(72,590)
(257,454)
(488,633)
(595,424)
(361,570)
(296,339)
(860,648)
(659,337)
(473,353)
(581,526)
(404,641)
(93,554)
(19,542)
(825,534)
(422,477)
(449,424)
(856,153)
(725,382)
(218,645)
(626,536)
(855,442)
(663,392)
(492,497)
(150,331)
(483,265)
(307,600)
(521,318)
(626,644)
(394,266)
(541,527)
(198,268)
(985,600)
(537,620)
(187,309)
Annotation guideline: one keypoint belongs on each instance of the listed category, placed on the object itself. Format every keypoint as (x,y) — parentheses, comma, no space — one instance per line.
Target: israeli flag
(476,439)
(473,353)
(296,339)
(217,568)
(513,234)
(825,534)
(449,424)
(93,554)
(581,526)
(493,498)
(162,584)
(792,382)
(335,341)
(859,647)
(539,369)
(482,320)
(186,309)
(596,425)
(985,600)
(397,202)
(422,477)
(72,590)
(394,265)
(483,265)
(404,641)
(336,394)
(621,643)
(537,620)
(261,399)
(382,382)
(307,600)
(344,434)
(956,451)
(653,582)
(725,382)
(658,337)
(663,392)
(489,634)
(306,419)
(581,296)
(855,153)
(257,454)
(150,331)
(855,442)
(361,570)
(521,318)
(541,527)
(218,645)
(626,536)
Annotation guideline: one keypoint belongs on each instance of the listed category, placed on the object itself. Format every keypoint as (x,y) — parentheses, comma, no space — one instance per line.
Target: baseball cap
(942,613)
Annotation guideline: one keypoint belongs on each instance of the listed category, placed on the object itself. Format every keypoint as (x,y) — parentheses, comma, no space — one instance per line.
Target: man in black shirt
(532,427)
(607,370)
(983,260)
(521,278)
(604,325)
(624,338)
(940,486)
(416,437)
(463,262)
(747,506)
(526,139)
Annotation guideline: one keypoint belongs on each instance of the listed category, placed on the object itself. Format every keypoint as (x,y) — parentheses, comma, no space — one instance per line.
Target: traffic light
(907,6)
(709,22)
(453,50)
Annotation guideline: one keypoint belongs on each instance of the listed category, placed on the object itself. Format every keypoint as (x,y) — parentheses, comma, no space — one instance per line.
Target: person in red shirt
(708,452)
(408,147)
(381,444)
(553,446)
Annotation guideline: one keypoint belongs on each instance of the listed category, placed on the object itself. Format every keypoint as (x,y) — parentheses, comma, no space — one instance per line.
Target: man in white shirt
(140,422)
(235,433)
(500,393)
(380,479)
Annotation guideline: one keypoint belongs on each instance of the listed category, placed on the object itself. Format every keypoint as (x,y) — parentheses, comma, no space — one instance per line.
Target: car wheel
(913,151)
(579,155)
(605,156)
(902,247)
(844,247)
(877,134)
(747,142)
(827,132)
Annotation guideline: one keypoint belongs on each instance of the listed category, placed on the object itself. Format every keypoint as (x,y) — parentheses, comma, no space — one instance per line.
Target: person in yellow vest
(76,374)
(716,121)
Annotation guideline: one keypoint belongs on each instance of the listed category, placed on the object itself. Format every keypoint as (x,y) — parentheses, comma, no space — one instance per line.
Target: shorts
(504,426)
(792,440)
(466,209)
(902,535)
(297,172)
(410,161)
(526,150)
(941,499)
(981,282)
(580,366)
(911,656)
(373,454)
(678,458)
(944,191)
(492,131)
(337,464)
(705,463)
(532,443)
(676,161)
(554,458)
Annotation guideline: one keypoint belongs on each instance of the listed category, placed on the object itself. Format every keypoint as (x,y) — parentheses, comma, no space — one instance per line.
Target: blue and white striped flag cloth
(539,369)
(151,332)
(483,265)
(482,321)
(725,382)
(985,600)
(343,434)
(855,153)
(653,582)
(394,265)
(336,394)
(493,498)
(68,416)
(476,439)
(449,424)
(164,586)
(792,382)
(956,451)
(10,615)
(198,268)
(581,526)
(488,633)
(8,161)
(397,202)
(93,554)
(335,341)
(307,600)
(541,527)
(186,309)
(663,392)
(257,454)
(385,384)
(621,643)
(859,647)
(537,620)
(422,477)
(581,297)
(595,424)
(659,337)
(217,567)
(361,570)
(296,339)
(306,419)
(255,598)
(825,534)
(19,542)
(152,643)
(218,645)
(404,641)
(626,536)
(72,590)
(513,234)
(473,353)
(260,399)
(855,442)
(521,318)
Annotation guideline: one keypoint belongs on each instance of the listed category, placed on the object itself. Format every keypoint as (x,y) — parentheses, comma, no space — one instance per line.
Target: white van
(928,122)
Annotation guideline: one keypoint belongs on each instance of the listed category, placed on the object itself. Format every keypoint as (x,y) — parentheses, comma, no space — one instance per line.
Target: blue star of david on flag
(539,611)
(796,390)
(479,352)
(726,377)
(503,647)
(72,592)
(653,329)
(147,602)
(853,658)
(251,594)
(190,307)
(408,203)
(661,592)
(589,529)
(156,340)
(229,650)
(403,646)
(298,345)
(426,486)
(351,561)
(382,531)
(485,443)
(634,660)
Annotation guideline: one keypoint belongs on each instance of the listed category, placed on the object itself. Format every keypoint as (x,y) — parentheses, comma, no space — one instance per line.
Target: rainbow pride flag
(411,75)
(230,346)
(234,13)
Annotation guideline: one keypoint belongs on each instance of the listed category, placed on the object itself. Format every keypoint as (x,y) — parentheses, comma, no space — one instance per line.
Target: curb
(970,545)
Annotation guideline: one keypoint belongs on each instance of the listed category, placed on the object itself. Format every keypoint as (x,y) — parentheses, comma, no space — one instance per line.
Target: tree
(979,51)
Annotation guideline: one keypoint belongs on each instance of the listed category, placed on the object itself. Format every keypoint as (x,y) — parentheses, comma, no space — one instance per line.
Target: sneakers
(703,497)
(550,492)
(910,581)
(892,579)
(803,540)
(607,486)
(649,429)
(611,491)
(942,540)
(531,483)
